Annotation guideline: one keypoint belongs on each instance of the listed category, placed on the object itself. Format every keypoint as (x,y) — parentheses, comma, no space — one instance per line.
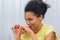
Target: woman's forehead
(29,14)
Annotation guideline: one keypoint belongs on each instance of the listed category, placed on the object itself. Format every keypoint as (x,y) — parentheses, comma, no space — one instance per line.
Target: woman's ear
(40,17)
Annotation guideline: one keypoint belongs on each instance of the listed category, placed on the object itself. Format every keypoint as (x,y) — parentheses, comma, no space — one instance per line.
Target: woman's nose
(28,23)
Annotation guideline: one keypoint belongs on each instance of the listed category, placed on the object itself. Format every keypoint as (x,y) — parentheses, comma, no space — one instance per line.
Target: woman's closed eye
(29,19)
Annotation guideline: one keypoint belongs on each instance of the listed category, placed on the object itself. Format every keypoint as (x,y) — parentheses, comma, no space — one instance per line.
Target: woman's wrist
(17,38)
(32,34)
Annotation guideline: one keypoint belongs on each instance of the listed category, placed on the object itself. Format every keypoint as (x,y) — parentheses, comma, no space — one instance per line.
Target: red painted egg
(16,26)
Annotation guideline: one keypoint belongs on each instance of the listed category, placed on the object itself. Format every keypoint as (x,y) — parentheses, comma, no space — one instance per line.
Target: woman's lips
(30,26)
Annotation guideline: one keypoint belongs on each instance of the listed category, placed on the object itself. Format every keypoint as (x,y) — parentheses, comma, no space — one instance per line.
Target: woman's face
(32,20)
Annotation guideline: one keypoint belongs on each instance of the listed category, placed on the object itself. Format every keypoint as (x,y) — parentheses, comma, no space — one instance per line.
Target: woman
(36,30)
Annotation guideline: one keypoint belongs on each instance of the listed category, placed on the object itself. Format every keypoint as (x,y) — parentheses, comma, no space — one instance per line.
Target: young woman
(36,30)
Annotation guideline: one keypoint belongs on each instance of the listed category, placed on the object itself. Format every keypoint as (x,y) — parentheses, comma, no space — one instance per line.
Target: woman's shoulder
(47,26)
(48,29)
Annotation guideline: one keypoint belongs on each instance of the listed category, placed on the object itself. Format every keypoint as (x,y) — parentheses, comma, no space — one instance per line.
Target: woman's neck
(38,28)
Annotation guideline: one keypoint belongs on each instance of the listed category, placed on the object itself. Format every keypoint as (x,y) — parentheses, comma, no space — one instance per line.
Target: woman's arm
(50,36)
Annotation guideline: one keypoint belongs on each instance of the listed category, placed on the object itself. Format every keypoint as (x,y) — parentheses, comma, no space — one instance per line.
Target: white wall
(12,12)
(0,22)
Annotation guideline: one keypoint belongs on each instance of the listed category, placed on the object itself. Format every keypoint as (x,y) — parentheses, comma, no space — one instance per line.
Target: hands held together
(18,30)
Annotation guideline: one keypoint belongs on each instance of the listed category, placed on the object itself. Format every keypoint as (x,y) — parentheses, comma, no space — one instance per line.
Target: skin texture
(34,25)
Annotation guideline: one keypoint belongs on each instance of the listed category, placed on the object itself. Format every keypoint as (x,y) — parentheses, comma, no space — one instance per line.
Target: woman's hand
(30,32)
(17,30)
(27,30)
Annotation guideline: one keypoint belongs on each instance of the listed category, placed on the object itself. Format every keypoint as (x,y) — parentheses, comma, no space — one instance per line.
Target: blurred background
(12,12)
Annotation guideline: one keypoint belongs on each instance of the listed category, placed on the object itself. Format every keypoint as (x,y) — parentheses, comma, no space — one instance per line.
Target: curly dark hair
(37,7)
